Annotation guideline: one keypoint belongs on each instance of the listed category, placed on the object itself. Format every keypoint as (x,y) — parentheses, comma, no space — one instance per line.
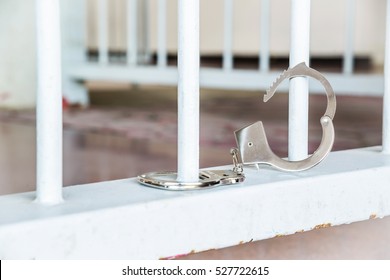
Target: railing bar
(264,55)
(188,91)
(386,96)
(162,34)
(228,36)
(348,63)
(103,32)
(299,93)
(132,32)
(146,31)
(49,103)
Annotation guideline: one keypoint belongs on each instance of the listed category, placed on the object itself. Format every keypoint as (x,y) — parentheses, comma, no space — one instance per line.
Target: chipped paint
(300,231)
(373,216)
(179,255)
(245,242)
(323,226)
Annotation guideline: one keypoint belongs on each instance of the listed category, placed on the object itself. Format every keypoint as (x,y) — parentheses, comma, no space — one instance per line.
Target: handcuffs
(253,148)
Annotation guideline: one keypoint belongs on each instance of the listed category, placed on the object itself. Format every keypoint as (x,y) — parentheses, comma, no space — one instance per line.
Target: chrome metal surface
(237,165)
(207,179)
(252,140)
(301,70)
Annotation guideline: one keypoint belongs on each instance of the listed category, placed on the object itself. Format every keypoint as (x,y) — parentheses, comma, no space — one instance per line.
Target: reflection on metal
(252,140)
(207,179)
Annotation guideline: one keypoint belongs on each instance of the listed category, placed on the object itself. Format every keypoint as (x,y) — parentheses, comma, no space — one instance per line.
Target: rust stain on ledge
(178,256)
(373,216)
(245,242)
(323,226)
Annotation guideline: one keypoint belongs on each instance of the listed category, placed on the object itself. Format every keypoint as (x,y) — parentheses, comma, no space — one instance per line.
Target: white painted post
(349,36)
(299,92)
(188,91)
(145,32)
(264,35)
(73,35)
(228,36)
(103,31)
(49,103)
(386,95)
(162,34)
(132,32)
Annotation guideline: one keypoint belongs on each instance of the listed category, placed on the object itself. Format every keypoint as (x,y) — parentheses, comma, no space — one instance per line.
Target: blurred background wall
(17,53)
(17,50)
(327,30)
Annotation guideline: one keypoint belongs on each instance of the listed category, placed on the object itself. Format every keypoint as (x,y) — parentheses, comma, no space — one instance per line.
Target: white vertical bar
(146,31)
(116,8)
(228,36)
(349,36)
(162,34)
(299,92)
(386,96)
(264,35)
(49,102)
(73,37)
(132,32)
(188,91)
(103,31)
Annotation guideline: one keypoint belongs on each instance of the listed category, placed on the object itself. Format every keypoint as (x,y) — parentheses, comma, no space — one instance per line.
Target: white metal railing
(188,91)
(103,32)
(264,55)
(228,77)
(49,116)
(227,64)
(162,34)
(299,86)
(368,174)
(386,95)
(132,32)
(49,103)
(349,37)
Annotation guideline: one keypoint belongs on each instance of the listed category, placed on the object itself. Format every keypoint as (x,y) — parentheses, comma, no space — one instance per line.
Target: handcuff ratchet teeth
(252,141)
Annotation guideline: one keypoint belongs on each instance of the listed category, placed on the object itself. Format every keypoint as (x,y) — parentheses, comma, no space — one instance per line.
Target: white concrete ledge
(238,79)
(123,220)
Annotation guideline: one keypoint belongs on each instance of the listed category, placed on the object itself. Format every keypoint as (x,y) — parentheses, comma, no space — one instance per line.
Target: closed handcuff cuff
(253,147)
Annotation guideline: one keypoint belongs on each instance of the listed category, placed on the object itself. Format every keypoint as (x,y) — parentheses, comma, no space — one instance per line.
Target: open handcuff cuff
(253,147)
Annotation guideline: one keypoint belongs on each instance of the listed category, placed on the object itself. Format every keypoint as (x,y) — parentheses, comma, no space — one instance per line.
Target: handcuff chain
(237,164)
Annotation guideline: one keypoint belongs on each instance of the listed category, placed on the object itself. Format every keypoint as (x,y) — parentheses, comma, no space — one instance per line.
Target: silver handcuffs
(207,179)
(253,147)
